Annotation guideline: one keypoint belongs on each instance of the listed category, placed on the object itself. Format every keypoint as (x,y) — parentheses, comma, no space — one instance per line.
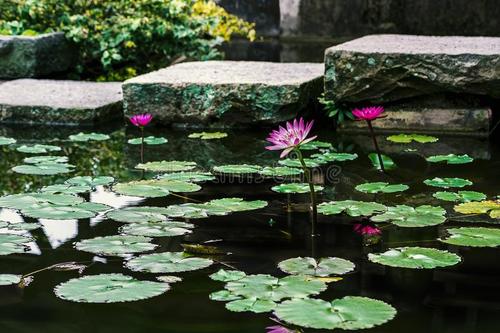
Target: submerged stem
(376,145)
(142,144)
(307,174)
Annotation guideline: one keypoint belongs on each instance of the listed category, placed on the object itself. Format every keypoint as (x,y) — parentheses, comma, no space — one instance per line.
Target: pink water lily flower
(368,113)
(278,329)
(141,120)
(290,138)
(366,230)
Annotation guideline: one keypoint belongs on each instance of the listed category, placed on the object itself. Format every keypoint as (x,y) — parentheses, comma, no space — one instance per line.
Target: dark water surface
(459,299)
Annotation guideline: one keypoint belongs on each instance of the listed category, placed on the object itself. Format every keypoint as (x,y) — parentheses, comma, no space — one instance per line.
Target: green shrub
(118,39)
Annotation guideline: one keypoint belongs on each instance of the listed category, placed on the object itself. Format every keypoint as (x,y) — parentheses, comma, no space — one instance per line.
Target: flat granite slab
(385,68)
(56,102)
(224,93)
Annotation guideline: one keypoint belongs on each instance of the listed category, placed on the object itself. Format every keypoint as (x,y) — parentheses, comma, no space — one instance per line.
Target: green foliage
(335,111)
(115,37)
(415,257)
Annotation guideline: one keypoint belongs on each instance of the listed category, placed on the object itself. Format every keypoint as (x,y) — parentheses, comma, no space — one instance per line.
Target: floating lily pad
(408,138)
(322,267)
(450,159)
(167,166)
(415,257)
(280,172)
(43,169)
(226,276)
(460,196)
(167,262)
(137,189)
(254,305)
(348,313)
(224,296)
(84,137)
(37,149)
(65,188)
(388,162)
(10,244)
(447,182)
(22,226)
(351,207)
(4,141)
(117,245)
(89,181)
(149,140)
(193,176)
(45,159)
(238,169)
(207,135)
(109,288)
(295,188)
(25,200)
(53,212)
(138,215)
(381,187)
(475,237)
(490,207)
(406,216)
(218,207)
(316,144)
(157,229)
(335,157)
(169,278)
(295,163)
(9,279)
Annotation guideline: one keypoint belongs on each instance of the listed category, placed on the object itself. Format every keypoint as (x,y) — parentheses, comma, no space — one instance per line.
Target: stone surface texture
(33,101)
(224,93)
(385,68)
(35,56)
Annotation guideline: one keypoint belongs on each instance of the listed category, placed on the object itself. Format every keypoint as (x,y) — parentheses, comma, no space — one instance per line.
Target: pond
(252,237)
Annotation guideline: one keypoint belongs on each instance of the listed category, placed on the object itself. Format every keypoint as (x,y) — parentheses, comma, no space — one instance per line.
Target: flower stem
(142,144)
(374,138)
(307,173)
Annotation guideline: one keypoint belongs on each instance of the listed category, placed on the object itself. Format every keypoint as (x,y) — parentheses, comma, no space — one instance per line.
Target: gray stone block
(224,93)
(35,56)
(385,68)
(32,101)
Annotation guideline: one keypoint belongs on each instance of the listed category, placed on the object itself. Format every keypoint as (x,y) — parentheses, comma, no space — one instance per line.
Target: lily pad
(415,257)
(322,267)
(238,169)
(137,189)
(490,207)
(227,276)
(460,196)
(295,188)
(37,149)
(408,138)
(280,172)
(149,140)
(348,313)
(4,141)
(157,229)
(10,244)
(254,305)
(117,245)
(43,169)
(450,159)
(207,135)
(167,262)
(295,163)
(25,200)
(193,176)
(316,144)
(45,159)
(406,216)
(381,187)
(89,181)
(335,157)
(9,279)
(167,166)
(65,188)
(217,207)
(388,162)
(85,137)
(109,288)
(138,215)
(475,237)
(23,226)
(224,296)
(447,182)
(351,207)
(54,212)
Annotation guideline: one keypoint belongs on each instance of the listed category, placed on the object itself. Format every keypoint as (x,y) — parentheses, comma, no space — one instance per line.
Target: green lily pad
(65,188)
(335,157)
(295,188)
(450,159)
(474,237)
(316,144)
(348,313)
(43,169)
(223,296)
(37,149)
(138,215)
(447,182)
(406,216)
(10,244)
(23,226)
(226,276)
(207,135)
(85,137)
(218,207)
(149,140)
(109,288)
(415,257)
(166,166)
(26,200)
(157,229)
(460,196)
(280,172)
(89,181)
(254,305)
(295,163)
(388,162)
(117,245)
(351,207)
(9,279)
(408,138)
(137,189)
(323,267)
(4,141)
(167,262)
(53,212)
(238,169)
(45,159)
(193,176)
(490,207)
(381,187)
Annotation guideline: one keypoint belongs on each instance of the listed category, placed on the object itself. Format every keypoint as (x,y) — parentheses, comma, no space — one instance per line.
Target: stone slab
(35,56)
(385,68)
(225,93)
(33,101)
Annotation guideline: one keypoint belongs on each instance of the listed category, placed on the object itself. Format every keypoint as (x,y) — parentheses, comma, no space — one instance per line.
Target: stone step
(31,101)
(225,93)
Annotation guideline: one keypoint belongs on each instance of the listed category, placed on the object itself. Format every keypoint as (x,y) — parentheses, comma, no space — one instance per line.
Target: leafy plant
(335,111)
